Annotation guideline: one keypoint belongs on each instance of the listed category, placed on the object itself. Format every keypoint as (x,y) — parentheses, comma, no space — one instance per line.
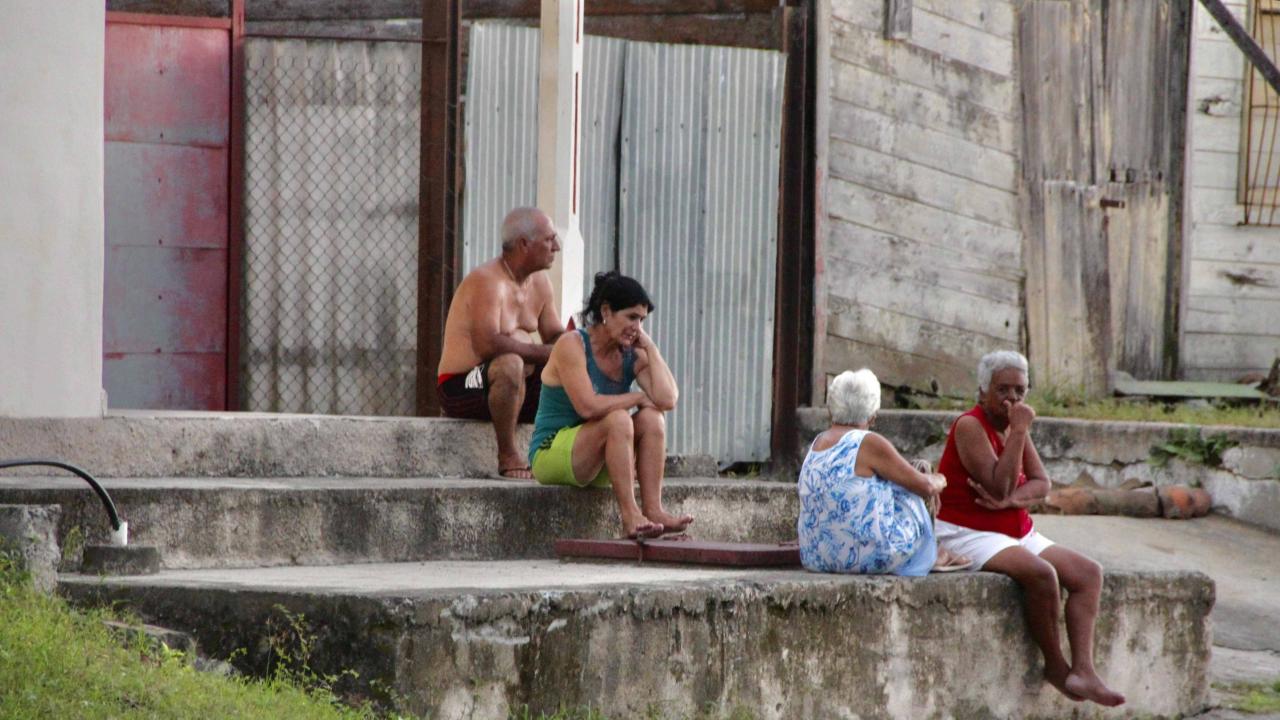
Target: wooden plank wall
(921,252)
(1232,324)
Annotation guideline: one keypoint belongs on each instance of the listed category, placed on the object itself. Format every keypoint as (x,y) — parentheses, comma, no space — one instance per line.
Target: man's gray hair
(994,362)
(520,223)
(853,397)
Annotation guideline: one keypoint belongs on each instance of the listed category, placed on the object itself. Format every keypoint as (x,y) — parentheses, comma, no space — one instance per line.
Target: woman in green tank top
(586,433)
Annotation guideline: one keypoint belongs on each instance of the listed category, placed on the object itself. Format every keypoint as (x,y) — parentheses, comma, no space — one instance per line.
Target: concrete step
(246,522)
(261,445)
(480,639)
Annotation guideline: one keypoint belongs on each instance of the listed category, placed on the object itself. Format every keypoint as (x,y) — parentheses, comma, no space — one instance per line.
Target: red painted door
(167,133)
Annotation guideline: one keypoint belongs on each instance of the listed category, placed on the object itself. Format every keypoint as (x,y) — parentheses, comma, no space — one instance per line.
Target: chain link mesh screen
(330,292)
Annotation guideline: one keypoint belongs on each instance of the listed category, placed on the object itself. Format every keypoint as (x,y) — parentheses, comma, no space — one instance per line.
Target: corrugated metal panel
(501,135)
(698,226)
(687,146)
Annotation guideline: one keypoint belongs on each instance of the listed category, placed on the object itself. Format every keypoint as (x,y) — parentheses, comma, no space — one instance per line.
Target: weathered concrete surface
(195,444)
(31,531)
(326,521)
(1243,561)
(474,640)
(1109,454)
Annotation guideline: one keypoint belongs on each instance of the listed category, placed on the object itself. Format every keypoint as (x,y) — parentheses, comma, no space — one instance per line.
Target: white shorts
(980,546)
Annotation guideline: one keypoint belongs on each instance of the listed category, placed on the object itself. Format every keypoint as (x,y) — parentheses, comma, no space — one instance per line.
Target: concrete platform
(473,640)
(264,445)
(242,522)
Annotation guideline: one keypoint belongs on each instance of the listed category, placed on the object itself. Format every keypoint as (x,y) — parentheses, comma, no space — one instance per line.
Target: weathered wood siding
(1104,104)
(1232,324)
(919,245)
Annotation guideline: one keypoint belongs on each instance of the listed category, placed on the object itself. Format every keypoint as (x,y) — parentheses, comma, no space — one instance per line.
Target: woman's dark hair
(618,292)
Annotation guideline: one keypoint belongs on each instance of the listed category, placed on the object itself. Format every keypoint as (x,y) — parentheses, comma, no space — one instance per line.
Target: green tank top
(555,410)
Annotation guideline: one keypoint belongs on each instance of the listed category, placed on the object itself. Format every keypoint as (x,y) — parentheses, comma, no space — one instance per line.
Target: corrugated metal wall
(698,227)
(501,135)
(685,139)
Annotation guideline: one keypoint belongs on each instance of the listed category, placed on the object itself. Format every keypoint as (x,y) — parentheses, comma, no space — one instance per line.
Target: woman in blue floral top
(863,507)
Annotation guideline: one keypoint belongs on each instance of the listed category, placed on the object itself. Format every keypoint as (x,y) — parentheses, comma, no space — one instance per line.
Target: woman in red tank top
(993,475)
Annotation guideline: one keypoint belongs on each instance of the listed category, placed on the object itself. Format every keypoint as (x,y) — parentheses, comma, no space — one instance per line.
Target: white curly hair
(853,397)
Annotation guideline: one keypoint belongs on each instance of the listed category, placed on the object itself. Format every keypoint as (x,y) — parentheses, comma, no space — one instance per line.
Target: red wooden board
(697,552)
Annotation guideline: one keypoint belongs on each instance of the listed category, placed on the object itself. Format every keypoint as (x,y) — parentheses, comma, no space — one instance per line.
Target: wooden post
(437,195)
(559,101)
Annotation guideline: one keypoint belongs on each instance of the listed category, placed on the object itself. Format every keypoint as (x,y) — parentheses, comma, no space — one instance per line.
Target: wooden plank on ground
(693,552)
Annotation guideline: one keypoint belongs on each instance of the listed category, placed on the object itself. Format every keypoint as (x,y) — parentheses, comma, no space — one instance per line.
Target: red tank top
(958,506)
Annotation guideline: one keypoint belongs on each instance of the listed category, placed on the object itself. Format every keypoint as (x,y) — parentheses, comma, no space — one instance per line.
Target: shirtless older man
(491,365)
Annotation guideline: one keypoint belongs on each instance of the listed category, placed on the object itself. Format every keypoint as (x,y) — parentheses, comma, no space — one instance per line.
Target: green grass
(59,662)
(1256,698)
(1054,402)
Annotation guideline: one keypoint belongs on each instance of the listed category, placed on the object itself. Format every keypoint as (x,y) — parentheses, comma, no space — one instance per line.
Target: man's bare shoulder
(484,278)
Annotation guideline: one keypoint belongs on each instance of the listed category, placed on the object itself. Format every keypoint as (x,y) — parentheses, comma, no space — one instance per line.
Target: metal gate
(166,184)
(680,172)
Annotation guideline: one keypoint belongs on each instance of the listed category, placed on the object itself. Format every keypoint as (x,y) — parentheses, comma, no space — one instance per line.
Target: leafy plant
(1187,444)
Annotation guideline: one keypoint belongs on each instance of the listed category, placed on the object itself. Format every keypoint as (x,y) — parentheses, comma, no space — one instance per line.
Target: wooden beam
(407,9)
(437,192)
(530,8)
(235,204)
(1243,40)
(791,306)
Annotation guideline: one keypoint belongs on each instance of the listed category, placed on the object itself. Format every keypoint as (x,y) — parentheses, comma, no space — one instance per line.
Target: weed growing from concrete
(1188,445)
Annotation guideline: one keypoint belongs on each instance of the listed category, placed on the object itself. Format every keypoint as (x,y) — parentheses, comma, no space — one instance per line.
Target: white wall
(51,207)
(1232,323)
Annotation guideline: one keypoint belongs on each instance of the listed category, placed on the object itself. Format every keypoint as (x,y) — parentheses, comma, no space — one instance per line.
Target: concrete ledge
(326,521)
(462,640)
(264,445)
(1109,453)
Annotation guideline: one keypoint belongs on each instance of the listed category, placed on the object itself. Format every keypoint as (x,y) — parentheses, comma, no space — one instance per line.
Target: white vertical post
(559,101)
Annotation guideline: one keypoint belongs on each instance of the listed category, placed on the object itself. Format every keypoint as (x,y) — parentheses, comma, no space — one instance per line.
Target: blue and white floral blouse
(852,524)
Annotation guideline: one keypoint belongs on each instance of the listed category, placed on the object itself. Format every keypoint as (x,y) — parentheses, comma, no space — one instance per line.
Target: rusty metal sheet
(696,552)
(166,195)
(165,300)
(193,381)
(167,84)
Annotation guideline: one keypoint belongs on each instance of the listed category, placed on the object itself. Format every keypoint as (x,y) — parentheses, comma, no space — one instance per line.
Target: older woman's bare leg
(651,457)
(1039,582)
(609,442)
(1082,578)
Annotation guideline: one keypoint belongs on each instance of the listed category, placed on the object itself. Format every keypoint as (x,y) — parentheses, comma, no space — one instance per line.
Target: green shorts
(553,464)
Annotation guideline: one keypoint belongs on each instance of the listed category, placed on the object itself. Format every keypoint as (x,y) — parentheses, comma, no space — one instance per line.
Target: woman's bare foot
(1090,687)
(640,527)
(1058,679)
(672,523)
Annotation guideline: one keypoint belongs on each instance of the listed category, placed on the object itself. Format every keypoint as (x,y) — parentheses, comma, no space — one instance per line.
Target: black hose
(102,493)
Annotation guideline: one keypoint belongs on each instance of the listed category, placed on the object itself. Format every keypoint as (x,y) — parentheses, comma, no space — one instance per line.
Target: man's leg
(651,459)
(1082,579)
(608,442)
(1039,582)
(506,393)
